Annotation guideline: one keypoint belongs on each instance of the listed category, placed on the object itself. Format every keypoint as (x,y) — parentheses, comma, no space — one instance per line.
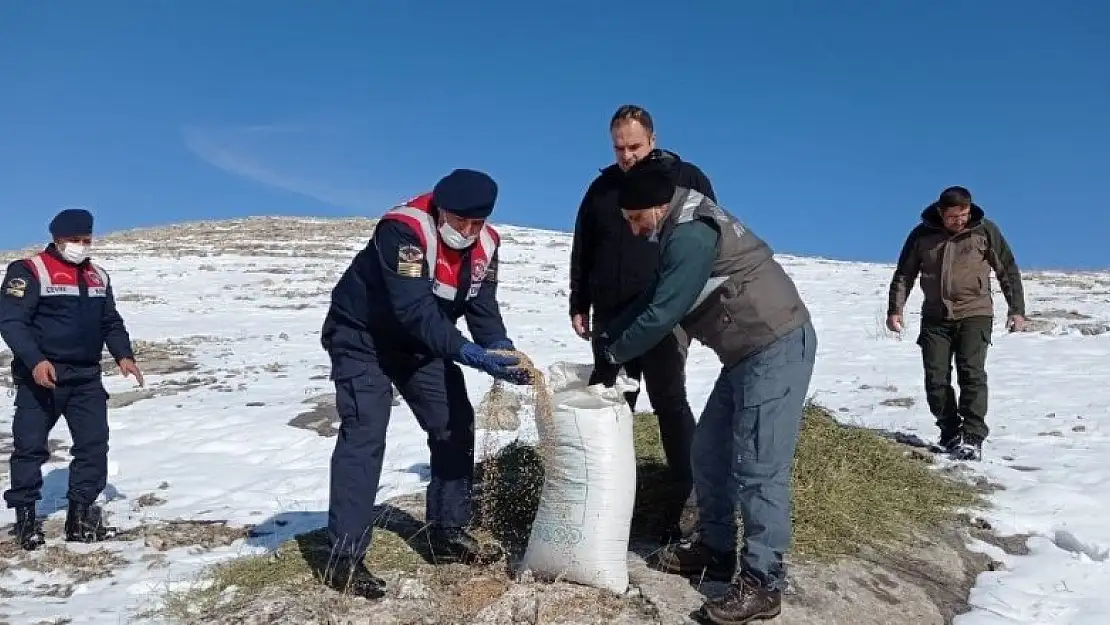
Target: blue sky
(827,126)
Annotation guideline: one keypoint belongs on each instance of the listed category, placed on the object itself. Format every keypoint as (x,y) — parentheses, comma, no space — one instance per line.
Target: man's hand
(894,323)
(501,346)
(128,367)
(581,325)
(604,341)
(496,365)
(44,374)
(1017,323)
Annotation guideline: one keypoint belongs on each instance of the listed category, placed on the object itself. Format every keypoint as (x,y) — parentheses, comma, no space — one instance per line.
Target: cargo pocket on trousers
(920,338)
(761,409)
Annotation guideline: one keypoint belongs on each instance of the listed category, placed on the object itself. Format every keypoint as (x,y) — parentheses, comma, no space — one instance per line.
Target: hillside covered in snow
(228,431)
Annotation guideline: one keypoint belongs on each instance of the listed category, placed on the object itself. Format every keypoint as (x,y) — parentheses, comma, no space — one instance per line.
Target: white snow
(223,459)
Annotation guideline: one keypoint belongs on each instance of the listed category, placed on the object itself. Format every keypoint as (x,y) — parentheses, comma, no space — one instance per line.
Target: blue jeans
(744,452)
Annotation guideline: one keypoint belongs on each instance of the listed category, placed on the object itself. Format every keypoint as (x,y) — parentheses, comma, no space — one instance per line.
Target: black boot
(85,524)
(745,601)
(350,576)
(456,544)
(690,557)
(949,440)
(970,448)
(28,530)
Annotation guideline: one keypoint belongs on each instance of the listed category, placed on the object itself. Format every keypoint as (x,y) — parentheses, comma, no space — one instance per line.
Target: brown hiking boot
(746,601)
(691,557)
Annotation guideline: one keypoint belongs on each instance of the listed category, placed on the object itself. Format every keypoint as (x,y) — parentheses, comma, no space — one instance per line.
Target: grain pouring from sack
(541,397)
(513,477)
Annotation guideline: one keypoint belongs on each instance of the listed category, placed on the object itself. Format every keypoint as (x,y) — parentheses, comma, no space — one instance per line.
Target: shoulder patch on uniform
(410,270)
(409,259)
(16,287)
(409,254)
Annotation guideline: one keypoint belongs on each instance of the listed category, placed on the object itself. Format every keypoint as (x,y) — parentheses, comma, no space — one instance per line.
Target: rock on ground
(1058,320)
(323,418)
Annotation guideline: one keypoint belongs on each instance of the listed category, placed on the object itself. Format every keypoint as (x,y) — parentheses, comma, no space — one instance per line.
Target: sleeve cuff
(606,348)
(610,357)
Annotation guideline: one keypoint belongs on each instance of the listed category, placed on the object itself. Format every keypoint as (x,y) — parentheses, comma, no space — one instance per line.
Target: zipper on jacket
(946,277)
(82,286)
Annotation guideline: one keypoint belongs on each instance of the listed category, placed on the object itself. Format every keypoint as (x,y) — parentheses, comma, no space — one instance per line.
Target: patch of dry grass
(296,567)
(462,593)
(652,497)
(853,487)
(82,566)
(203,535)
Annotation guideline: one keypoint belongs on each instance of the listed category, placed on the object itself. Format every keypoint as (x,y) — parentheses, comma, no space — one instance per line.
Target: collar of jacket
(930,216)
(671,158)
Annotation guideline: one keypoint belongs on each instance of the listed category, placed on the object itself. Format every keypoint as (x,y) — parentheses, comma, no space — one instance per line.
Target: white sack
(582,526)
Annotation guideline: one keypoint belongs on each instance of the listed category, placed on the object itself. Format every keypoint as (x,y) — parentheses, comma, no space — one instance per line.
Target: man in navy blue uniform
(57,313)
(393,319)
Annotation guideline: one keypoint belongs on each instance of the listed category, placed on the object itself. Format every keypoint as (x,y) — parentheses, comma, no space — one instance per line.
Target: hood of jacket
(930,216)
(672,159)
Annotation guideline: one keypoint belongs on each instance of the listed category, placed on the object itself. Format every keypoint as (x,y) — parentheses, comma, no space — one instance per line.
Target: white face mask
(75,253)
(654,236)
(453,239)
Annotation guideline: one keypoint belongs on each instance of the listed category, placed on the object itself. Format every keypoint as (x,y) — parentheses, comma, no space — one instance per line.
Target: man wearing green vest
(721,283)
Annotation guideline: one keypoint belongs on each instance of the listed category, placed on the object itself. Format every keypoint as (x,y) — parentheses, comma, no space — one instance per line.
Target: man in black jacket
(610,268)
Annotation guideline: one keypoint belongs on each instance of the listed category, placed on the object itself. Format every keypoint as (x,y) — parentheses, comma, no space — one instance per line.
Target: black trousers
(37,410)
(663,371)
(966,341)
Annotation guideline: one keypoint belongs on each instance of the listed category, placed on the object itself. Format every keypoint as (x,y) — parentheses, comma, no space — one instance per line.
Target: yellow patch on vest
(410,270)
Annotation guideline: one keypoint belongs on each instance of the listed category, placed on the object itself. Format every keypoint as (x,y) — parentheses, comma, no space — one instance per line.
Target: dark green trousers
(966,341)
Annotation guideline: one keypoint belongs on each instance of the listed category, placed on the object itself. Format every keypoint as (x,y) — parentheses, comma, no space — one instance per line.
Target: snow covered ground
(247,298)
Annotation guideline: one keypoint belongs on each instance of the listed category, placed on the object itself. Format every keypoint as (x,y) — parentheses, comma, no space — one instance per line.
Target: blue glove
(473,355)
(505,344)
